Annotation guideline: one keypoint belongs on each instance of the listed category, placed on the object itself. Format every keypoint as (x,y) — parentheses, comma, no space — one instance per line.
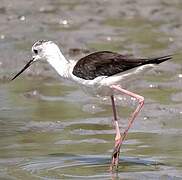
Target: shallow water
(47,131)
(50,129)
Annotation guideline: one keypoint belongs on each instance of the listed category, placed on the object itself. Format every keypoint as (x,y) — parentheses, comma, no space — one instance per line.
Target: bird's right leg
(119,140)
(115,155)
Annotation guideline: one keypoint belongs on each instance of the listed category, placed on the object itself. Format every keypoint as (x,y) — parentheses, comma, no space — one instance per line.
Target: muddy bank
(128,26)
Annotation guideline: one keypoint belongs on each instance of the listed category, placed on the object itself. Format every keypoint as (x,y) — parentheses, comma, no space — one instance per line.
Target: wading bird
(101,73)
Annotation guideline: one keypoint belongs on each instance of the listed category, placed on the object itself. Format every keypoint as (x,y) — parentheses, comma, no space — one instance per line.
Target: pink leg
(118,143)
(115,157)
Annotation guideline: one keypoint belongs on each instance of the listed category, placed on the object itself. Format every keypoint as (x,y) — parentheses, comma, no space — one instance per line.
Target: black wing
(106,63)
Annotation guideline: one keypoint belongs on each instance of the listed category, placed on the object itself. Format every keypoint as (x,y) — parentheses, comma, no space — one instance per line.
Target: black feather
(106,63)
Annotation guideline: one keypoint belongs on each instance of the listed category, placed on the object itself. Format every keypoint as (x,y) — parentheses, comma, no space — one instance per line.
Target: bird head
(41,50)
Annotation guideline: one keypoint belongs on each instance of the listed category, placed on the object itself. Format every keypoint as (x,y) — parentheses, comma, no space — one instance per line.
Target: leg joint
(141,100)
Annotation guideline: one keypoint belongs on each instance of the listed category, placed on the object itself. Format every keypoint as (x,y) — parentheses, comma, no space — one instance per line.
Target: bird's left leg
(140,99)
(115,156)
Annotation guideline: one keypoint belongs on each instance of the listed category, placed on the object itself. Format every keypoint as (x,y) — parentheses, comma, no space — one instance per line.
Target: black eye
(35,51)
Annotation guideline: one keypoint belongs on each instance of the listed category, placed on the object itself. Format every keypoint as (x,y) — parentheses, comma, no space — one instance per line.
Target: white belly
(100,86)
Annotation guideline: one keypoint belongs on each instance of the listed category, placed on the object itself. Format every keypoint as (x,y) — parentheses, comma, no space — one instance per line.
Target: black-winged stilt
(100,73)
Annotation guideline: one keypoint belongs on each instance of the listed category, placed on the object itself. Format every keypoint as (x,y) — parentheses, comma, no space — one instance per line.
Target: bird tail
(159,60)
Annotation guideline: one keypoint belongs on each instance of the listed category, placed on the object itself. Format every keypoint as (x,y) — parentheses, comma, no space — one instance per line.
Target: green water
(45,132)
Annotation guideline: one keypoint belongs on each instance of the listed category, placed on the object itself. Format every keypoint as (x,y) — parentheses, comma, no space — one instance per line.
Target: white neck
(59,63)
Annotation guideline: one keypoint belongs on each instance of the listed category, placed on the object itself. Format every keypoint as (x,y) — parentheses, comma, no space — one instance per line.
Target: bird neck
(59,63)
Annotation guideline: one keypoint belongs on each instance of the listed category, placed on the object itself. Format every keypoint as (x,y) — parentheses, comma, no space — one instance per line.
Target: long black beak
(24,68)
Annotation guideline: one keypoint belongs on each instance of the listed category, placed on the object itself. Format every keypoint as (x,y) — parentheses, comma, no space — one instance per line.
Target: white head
(43,50)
